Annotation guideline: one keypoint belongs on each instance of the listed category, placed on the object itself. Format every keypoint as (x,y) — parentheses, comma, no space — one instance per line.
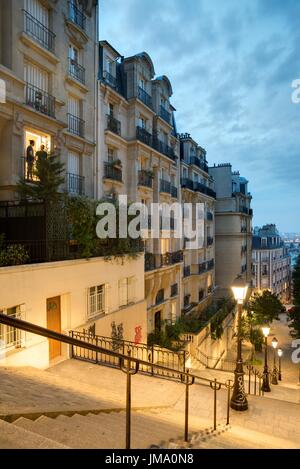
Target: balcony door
(38,11)
(54,323)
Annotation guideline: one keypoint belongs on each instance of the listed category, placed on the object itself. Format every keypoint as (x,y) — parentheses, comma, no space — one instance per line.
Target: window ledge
(30,42)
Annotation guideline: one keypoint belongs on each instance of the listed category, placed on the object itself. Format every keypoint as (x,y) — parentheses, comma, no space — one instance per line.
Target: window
(110,155)
(11,337)
(142,84)
(36,76)
(142,122)
(126,291)
(75,123)
(74,106)
(96,301)
(74,53)
(111,109)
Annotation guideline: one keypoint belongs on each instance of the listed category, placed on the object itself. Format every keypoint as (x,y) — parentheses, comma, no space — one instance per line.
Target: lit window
(10,337)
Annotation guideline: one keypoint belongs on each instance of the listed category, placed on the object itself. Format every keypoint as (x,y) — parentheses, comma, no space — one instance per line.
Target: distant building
(271,262)
(233,226)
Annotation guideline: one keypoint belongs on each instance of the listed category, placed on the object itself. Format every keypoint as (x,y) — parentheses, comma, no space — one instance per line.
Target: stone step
(14,437)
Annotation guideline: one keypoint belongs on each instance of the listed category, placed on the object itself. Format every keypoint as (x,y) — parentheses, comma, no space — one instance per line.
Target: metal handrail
(183,376)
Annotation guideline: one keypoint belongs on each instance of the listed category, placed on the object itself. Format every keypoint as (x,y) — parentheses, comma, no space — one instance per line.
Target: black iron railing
(125,362)
(75,184)
(112,172)
(39,31)
(145,178)
(75,125)
(150,262)
(110,79)
(76,70)
(113,124)
(145,97)
(76,16)
(176,257)
(40,100)
(209,216)
(187,183)
(187,271)
(165,186)
(174,192)
(199,187)
(164,114)
(28,170)
(163,148)
(210,264)
(202,267)
(144,136)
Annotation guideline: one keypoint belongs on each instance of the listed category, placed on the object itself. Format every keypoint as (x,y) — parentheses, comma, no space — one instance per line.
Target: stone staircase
(107,429)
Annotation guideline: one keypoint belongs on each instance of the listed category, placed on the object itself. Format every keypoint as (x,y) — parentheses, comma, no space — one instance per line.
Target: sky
(231,65)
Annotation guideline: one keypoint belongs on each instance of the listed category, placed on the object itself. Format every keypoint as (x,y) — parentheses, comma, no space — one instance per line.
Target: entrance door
(157,321)
(54,323)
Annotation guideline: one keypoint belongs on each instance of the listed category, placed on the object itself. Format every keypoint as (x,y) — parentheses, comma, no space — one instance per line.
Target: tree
(45,187)
(294,313)
(264,308)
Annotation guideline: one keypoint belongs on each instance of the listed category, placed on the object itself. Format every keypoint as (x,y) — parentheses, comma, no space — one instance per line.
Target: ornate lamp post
(274,373)
(280,353)
(238,398)
(266,385)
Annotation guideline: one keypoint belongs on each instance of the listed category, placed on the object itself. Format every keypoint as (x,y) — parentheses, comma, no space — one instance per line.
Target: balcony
(210,240)
(145,178)
(164,114)
(210,264)
(199,187)
(209,216)
(187,271)
(244,210)
(244,268)
(27,171)
(76,71)
(174,289)
(75,184)
(176,257)
(113,124)
(243,250)
(76,16)
(196,161)
(144,97)
(40,100)
(144,136)
(110,79)
(112,172)
(75,125)
(150,263)
(165,186)
(39,31)
(157,261)
(174,192)
(163,148)
(187,183)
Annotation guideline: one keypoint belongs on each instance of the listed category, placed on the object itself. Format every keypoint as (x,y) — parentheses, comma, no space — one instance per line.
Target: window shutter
(123,292)
(106,298)
(131,289)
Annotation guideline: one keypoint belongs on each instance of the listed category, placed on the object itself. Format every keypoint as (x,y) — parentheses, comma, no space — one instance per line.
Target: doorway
(54,323)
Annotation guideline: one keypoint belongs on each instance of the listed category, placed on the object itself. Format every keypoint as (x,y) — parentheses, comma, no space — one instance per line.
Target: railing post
(152,360)
(185,378)
(71,347)
(128,372)
(249,367)
(228,385)
(184,357)
(215,386)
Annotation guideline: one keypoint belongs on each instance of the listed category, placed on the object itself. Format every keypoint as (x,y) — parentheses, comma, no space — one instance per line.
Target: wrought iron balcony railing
(195,160)
(187,271)
(113,124)
(145,178)
(174,192)
(110,79)
(40,100)
(210,264)
(164,148)
(144,136)
(75,184)
(202,267)
(199,187)
(145,97)
(112,172)
(187,183)
(39,31)
(165,186)
(164,114)
(75,125)
(176,257)
(76,70)
(209,216)
(76,16)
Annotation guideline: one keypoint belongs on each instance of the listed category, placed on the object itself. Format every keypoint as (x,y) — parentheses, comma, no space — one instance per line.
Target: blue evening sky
(231,64)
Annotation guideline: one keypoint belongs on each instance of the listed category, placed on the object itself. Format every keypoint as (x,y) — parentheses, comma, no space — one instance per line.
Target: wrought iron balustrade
(39,31)
(76,125)
(112,172)
(164,114)
(76,16)
(113,124)
(76,70)
(40,100)
(145,97)
(165,186)
(75,184)
(145,178)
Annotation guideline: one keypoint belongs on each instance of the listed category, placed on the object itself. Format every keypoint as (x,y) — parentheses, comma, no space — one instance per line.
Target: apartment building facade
(271,262)
(48,53)
(138,156)
(198,280)
(233,226)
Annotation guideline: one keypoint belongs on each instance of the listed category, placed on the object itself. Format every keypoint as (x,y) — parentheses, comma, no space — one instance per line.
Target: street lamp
(265,385)
(280,353)
(238,398)
(274,373)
